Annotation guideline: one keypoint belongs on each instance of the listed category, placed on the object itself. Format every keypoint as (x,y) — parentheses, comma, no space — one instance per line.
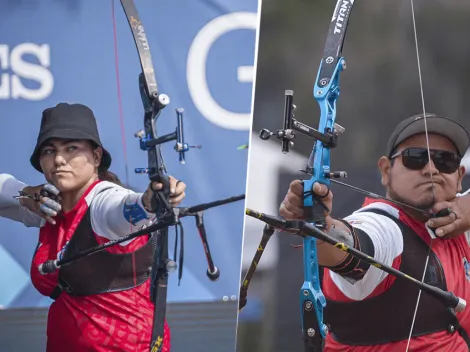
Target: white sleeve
(116,212)
(466,233)
(388,244)
(11,208)
(464,193)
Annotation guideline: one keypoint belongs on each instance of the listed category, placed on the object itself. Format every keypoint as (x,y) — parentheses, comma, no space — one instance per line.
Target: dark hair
(106,175)
(109,176)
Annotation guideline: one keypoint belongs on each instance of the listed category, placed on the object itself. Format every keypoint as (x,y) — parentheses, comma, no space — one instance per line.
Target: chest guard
(103,271)
(388,317)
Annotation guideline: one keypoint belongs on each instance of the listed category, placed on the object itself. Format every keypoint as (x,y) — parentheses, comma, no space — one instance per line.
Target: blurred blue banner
(203,53)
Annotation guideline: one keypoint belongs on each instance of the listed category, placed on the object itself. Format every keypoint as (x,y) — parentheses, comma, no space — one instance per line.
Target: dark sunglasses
(417,158)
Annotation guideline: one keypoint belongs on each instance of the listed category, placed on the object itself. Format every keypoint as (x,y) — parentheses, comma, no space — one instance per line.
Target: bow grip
(314,211)
(159,202)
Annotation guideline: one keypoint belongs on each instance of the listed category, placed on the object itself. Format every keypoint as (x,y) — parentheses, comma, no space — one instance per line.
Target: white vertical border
(253,89)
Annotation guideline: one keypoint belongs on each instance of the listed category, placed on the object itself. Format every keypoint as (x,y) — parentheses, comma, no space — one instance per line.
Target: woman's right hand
(44,201)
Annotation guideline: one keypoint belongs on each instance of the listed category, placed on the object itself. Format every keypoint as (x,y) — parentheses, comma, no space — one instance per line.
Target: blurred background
(379,88)
(203,51)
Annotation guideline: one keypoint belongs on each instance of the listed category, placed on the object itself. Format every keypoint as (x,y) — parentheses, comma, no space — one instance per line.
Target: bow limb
(153,103)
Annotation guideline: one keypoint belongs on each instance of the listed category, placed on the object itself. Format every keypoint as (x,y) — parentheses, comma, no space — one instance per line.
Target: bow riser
(312,300)
(326,91)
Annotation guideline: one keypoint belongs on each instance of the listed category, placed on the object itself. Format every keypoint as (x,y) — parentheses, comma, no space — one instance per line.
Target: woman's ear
(97,154)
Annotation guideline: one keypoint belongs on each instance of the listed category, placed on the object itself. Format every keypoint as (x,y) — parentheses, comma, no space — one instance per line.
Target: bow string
(432,236)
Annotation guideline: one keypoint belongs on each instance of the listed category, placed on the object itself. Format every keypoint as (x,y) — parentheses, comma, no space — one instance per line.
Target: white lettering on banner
(10,83)
(196,70)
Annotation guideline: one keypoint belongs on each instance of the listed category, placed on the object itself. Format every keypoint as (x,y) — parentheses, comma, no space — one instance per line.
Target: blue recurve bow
(326,91)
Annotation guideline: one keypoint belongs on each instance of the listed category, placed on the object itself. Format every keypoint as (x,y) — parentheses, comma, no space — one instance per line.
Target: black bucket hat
(437,124)
(69,121)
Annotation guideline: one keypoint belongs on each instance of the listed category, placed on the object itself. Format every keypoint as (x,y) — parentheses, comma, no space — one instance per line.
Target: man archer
(368,309)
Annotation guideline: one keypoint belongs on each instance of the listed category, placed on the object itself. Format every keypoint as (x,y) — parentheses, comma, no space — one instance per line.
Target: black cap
(437,124)
(69,121)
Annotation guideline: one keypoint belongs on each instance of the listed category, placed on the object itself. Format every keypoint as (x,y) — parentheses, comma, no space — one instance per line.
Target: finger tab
(52,204)
(46,210)
(51,189)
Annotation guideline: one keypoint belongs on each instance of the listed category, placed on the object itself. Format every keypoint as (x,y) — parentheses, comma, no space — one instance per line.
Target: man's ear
(385,166)
(461,175)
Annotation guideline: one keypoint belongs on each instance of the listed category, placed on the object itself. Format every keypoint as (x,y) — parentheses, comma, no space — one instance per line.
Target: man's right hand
(45,207)
(292,207)
(457,222)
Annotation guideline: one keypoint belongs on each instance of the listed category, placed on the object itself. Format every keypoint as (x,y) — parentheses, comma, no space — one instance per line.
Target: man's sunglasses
(417,158)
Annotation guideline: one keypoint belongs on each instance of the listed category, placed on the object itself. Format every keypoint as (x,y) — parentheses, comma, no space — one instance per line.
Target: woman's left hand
(177,192)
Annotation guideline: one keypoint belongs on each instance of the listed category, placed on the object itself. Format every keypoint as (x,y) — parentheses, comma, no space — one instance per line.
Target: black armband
(353,267)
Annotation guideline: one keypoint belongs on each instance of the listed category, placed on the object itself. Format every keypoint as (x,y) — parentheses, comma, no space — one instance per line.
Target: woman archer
(102,302)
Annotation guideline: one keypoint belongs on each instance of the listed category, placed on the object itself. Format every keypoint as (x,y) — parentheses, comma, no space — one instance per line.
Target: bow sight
(286,135)
(147,141)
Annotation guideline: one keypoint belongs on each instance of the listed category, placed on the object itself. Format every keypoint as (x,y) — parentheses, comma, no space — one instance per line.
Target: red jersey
(116,321)
(454,254)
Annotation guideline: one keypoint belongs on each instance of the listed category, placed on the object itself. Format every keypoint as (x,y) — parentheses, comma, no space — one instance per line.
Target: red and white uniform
(118,321)
(388,244)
